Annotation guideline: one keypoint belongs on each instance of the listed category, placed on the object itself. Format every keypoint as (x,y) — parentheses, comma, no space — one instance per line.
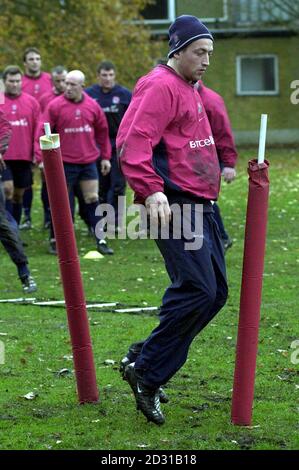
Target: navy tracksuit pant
(112,186)
(10,239)
(218,218)
(197,292)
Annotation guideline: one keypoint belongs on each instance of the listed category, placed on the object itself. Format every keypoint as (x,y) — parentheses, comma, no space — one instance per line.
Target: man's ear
(176,55)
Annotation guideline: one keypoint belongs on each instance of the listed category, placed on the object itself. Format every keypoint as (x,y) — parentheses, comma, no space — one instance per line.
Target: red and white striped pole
(69,267)
(252,282)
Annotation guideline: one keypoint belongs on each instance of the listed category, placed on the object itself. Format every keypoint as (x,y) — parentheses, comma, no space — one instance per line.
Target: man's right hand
(157,207)
(2,163)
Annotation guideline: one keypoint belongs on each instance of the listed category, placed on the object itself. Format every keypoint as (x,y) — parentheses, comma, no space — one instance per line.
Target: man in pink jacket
(9,237)
(167,153)
(224,141)
(58,75)
(84,139)
(36,83)
(23,113)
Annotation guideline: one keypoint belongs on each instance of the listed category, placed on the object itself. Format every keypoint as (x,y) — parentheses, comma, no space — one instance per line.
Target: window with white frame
(257,75)
(257,11)
(159,11)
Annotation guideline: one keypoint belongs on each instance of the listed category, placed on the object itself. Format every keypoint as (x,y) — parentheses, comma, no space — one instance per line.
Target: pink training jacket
(5,132)
(23,113)
(83,129)
(165,140)
(36,87)
(46,98)
(220,125)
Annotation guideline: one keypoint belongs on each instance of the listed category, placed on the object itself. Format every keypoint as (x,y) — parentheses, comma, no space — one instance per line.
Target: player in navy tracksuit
(168,154)
(114,100)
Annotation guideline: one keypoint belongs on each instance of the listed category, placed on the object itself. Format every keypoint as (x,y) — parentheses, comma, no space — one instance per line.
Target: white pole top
(47,128)
(49,141)
(262,143)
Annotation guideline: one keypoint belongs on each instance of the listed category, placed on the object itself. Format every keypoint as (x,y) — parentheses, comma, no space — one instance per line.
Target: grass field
(37,344)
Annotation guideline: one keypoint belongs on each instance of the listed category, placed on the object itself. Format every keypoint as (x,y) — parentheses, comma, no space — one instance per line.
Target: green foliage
(37,342)
(78,34)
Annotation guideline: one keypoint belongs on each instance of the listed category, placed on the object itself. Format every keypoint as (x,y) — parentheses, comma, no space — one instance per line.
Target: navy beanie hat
(184,30)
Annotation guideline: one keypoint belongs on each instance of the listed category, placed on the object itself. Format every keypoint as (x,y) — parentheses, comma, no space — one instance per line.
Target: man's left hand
(105,167)
(228,174)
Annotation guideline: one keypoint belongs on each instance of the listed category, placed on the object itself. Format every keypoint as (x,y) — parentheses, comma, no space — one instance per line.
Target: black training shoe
(25,225)
(147,400)
(52,247)
(163,396)
(122,367)
(29,284)
(226,243)
(130,377)
(103,248)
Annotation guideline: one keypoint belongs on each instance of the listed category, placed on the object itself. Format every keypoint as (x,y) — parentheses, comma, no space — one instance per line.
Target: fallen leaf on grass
(30,396)
(7,417)
(217,399)
(198,408)
(68,357)
(63,372)
(283,352)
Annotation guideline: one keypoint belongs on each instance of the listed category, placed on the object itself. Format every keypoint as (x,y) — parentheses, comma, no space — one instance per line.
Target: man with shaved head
(84,138)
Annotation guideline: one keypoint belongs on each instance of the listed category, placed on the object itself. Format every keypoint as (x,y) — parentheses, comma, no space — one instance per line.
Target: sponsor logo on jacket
(70,130)
(111,109)
(19,122)
(201,143)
